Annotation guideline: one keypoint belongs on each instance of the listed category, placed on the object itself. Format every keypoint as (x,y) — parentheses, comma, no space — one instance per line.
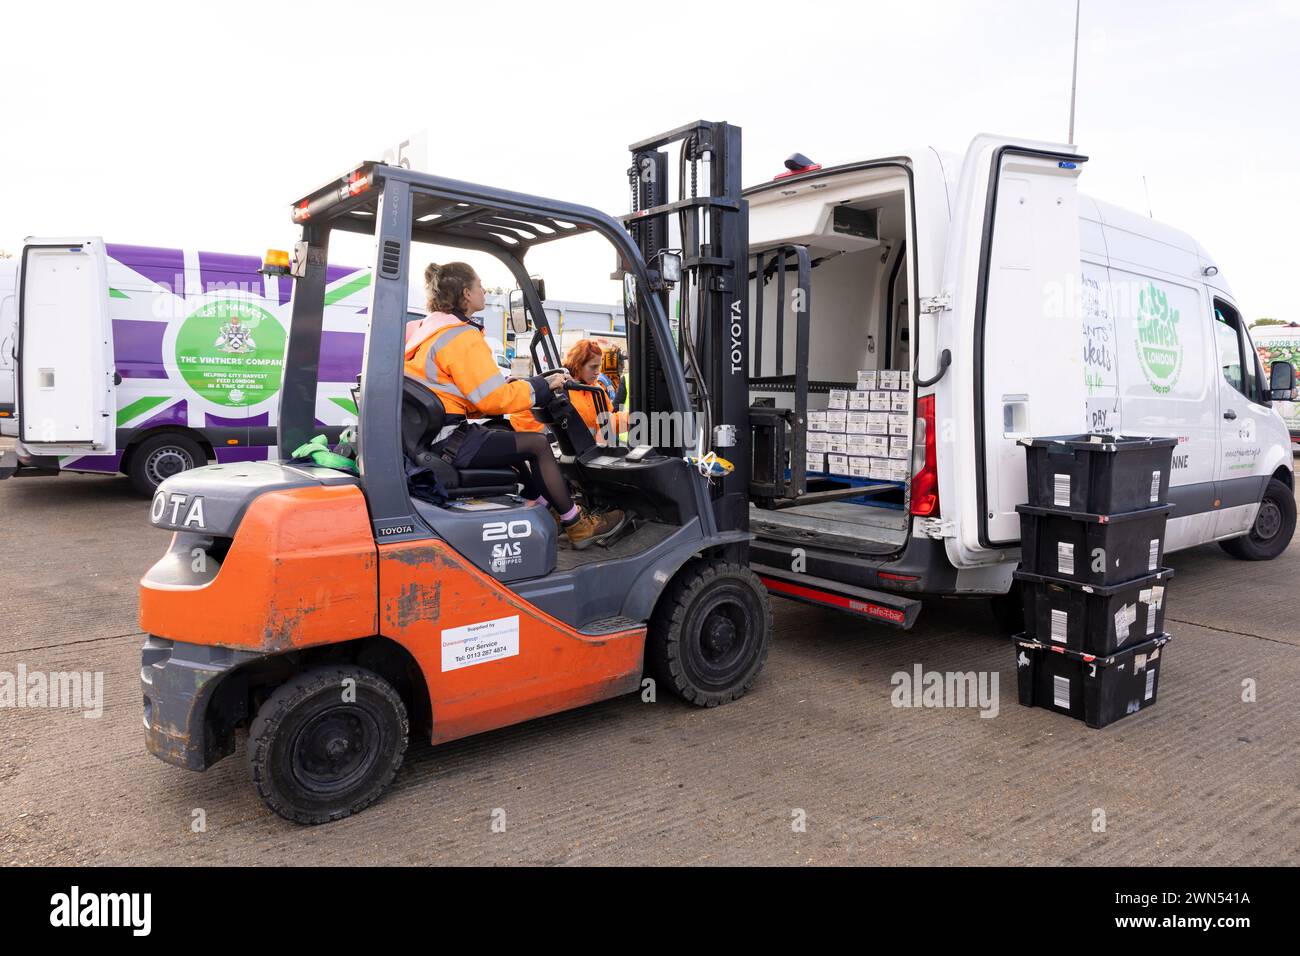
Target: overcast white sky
(196,125)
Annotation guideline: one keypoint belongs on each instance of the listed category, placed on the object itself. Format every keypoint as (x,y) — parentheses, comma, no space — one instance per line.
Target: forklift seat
(423,416)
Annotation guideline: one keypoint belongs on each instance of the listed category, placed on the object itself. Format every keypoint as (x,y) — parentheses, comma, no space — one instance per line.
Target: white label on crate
(1155,486)
(1153,557)
(1061,692)
(1060,624)
(1151,684)
(480,643)
(1065,558)
(1139,663)
(1061,491)
(1124,619)
(1158,596)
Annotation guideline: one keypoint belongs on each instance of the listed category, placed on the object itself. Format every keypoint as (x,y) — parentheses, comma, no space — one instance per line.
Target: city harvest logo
(77,909)
(1160,353)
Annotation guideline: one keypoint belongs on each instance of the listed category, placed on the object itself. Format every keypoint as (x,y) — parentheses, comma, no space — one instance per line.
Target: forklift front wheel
(709,634)
(327,743)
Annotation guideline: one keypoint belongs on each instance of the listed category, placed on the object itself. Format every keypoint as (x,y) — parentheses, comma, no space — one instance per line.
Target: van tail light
(925,472)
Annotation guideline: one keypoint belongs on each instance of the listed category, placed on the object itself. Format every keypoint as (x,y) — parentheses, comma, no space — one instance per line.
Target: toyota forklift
(326,610)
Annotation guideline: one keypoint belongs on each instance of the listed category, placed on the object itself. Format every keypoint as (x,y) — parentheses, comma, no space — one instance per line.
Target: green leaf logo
(1159,351)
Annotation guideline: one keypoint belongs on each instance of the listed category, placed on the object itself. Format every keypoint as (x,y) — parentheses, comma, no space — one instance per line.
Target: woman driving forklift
(447,352)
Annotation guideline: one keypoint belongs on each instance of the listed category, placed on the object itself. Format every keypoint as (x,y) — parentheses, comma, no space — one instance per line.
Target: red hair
(582,352)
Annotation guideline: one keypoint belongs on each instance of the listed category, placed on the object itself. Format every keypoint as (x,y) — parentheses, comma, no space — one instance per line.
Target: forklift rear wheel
(327,743)
(709,634)
(1274,525)
(160,457)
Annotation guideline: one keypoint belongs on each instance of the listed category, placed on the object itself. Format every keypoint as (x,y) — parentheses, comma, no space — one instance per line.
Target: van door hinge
(936,303)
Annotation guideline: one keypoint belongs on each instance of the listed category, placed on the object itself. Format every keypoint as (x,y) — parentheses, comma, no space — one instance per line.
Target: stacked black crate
(1092,543)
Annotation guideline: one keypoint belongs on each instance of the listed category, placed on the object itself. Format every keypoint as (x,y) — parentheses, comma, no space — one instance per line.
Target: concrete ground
(1200,778)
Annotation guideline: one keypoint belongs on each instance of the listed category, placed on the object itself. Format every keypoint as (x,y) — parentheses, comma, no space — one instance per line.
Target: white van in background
(1280,343)
(1020,308)
(8,343)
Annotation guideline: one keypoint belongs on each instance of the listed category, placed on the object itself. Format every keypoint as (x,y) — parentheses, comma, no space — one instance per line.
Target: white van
(1280,343)
(1018,307)
(8,343)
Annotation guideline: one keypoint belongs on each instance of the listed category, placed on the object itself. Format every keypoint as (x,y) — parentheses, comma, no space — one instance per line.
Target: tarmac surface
(814,766)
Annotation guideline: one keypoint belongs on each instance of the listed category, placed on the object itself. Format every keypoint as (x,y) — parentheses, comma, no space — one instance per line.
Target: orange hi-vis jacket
(585,404)
(449,354)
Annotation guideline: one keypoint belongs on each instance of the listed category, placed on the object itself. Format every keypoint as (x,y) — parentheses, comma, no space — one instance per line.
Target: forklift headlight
(670,267)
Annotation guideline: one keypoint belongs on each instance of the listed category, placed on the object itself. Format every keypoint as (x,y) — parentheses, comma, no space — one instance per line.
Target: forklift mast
(711,324)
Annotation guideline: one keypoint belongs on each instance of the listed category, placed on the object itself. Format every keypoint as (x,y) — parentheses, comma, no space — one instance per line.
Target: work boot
(590,529)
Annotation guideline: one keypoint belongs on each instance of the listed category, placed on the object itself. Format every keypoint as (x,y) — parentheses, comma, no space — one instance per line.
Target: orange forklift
(327,610)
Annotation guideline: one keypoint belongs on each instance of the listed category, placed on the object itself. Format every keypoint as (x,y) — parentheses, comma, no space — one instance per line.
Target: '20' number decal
(505,530)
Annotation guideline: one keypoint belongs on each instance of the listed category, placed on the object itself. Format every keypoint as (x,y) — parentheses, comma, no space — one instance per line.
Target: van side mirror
(518,313)
(1281,382)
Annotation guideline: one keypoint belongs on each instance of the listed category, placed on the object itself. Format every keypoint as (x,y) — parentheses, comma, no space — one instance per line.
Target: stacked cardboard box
(864,432)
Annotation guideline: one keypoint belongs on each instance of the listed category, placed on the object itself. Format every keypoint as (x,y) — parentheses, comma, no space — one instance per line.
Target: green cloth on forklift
(317,451)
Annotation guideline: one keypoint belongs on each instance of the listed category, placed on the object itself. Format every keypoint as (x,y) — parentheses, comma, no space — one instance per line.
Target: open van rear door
(1012,271)
(65,370)
(8,342)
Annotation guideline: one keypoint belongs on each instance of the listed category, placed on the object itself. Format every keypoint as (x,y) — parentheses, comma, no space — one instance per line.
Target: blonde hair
(445,286)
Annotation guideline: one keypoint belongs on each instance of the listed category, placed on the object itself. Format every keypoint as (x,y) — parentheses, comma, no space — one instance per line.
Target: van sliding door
(1017,305)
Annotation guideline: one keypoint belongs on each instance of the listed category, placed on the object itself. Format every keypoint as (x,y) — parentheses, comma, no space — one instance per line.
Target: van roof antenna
(1074,70)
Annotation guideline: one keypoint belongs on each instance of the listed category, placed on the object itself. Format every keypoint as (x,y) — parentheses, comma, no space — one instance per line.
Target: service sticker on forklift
(480,643)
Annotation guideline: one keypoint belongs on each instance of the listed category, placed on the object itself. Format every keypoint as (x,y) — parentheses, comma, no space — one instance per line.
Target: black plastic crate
(1091,548)
(1098,690)
(1091,618)
(1098,474)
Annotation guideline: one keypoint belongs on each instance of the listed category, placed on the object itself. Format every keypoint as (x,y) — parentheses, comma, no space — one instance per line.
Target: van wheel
(327,743)
(158,458)
(1273,528)
(709,634)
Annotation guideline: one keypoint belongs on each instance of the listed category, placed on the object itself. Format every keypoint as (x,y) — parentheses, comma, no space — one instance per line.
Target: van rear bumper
(922,567)
(14,465)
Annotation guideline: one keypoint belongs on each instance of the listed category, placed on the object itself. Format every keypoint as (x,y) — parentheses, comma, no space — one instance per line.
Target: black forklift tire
(161,456)
(315,755)
(709,634)
(1274,526)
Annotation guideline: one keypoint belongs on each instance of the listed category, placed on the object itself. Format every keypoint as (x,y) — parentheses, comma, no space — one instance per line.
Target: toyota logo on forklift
(178,510)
